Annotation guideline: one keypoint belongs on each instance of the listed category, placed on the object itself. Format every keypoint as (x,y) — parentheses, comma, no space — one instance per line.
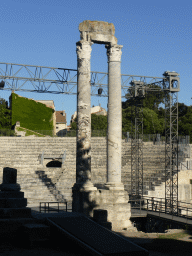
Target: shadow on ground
(163,246)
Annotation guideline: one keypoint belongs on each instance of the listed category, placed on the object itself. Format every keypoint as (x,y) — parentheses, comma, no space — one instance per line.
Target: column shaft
(114,118)
(83,155)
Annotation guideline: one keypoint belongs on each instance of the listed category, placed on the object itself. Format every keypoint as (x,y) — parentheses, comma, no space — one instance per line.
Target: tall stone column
(83,156)
(114,118)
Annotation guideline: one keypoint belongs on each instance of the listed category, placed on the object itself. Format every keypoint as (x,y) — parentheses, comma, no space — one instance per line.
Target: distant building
(61,122)
(98,110)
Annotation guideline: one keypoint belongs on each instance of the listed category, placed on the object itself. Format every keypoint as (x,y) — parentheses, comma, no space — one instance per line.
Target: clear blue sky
(156,36)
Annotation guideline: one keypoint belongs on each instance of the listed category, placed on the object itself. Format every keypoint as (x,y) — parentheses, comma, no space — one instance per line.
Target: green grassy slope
(31,114)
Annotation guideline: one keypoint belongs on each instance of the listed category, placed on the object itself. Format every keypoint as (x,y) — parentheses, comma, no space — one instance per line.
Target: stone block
(10,187)
(15,213)
(36,231)
(97,31)
(9,175)
(100,215)
(15,202)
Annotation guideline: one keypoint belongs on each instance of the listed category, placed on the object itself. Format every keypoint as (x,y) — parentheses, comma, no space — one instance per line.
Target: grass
(28,133)
(174,236)
(170,244)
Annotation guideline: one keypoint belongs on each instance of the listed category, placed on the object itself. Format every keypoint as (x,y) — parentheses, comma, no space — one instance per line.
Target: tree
(185,120)
(151,100)
(98,122)
(153,115)
(5,115)
(74,124)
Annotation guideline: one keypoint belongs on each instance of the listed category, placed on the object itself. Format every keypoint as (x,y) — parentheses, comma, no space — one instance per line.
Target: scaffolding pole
(172,87)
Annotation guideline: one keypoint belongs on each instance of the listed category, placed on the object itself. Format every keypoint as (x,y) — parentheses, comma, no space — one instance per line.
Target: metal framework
(137,140)
(41,79)
(170,84)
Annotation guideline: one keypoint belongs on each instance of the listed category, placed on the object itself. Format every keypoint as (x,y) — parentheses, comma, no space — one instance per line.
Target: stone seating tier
(48,184)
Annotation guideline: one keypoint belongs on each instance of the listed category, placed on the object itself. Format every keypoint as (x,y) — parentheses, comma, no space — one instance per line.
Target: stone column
(83,156)
(114,118)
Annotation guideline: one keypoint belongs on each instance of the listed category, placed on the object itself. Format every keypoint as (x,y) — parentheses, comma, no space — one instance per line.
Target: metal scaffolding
(138,93)
(170,85)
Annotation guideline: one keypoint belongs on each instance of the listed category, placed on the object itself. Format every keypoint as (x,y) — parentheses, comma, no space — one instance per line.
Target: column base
(114,201)
(87,186)
(114,186)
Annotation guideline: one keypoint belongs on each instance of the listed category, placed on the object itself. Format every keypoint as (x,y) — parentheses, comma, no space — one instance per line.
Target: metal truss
(30,78)
(137,141)
(172,87)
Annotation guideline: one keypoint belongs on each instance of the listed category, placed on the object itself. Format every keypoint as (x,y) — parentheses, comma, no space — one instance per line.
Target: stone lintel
(100,32)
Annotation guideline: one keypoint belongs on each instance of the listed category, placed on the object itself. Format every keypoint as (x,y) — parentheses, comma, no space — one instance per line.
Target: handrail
(152,205)
(49,210)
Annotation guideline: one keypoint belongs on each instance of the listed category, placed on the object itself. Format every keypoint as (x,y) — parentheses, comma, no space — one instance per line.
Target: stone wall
(41,183)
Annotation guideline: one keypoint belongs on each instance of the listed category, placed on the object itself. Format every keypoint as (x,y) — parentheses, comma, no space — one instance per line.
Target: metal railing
(158,205)
(137,207)
(152,204)
(47,208)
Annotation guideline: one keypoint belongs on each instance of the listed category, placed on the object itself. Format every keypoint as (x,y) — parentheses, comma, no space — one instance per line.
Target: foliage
(173,236)
(97,122)
(5,115)
(7,132)
(31,114)
(152,124)
(151,100)
(74,124)
(185,120)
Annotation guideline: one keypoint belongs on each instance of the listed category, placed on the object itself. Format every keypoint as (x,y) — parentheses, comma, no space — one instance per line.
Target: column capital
(83,49)
(114,52)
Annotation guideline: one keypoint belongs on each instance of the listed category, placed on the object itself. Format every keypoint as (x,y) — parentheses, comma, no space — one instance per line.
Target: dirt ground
(158,244)
(149,241)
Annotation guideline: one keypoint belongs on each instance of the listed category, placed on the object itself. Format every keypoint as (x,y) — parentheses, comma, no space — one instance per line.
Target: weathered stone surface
(100,27)
(97,31)
(114,119)
(83,157)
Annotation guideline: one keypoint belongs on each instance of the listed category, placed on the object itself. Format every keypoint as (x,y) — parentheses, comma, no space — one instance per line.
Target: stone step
(11,194)
(24,212)
(34,233)
(14,224)
(13,202)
